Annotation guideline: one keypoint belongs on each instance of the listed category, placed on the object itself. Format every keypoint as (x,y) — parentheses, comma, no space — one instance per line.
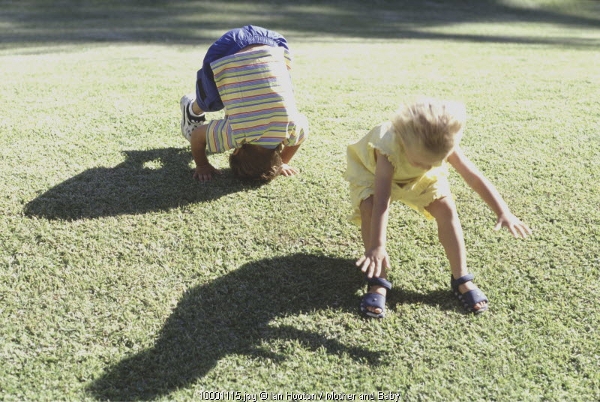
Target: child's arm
(486,190)
(376,256)
(287,154)
(204,170)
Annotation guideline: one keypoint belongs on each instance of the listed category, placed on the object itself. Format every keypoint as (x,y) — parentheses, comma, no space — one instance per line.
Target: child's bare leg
(366,209)
(451,236)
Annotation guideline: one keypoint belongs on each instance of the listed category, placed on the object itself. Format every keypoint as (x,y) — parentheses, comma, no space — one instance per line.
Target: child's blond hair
(431,125)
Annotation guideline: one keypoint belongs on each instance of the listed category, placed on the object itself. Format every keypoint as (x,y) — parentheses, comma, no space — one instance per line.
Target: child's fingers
(526,230)
(517,230)
(364,264)
(287,170)
(515,227)
(369,269)
(203,178)
(377,270)
(204,173)
(523,230)
(372,269)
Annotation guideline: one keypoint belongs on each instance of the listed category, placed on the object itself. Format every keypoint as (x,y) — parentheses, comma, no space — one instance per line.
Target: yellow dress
(411,185)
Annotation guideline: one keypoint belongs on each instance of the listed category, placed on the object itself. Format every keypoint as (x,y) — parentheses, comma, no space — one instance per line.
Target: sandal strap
(463,279)
(380,282)
(472,297)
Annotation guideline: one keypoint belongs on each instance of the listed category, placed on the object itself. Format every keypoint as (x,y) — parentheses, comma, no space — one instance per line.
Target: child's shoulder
(384,125)
(382,137)
(383,132)
(382,129)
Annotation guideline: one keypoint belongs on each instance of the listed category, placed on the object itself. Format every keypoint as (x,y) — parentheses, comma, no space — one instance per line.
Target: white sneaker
(188,122)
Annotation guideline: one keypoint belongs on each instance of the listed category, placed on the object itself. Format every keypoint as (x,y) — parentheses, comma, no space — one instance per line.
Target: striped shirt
(260,107)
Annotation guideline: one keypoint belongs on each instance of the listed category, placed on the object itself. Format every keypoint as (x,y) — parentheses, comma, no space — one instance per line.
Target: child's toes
(480,306)
(375,310)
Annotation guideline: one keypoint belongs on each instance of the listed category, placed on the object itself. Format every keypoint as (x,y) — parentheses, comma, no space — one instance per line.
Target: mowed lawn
(121,278)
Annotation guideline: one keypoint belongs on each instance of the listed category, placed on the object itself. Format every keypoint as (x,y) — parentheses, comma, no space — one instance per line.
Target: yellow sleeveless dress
(411,185)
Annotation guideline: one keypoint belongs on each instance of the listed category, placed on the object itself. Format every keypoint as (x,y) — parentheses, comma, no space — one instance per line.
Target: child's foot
(373,302)
(465,287)
(472,297)
(380,290)
(189,122)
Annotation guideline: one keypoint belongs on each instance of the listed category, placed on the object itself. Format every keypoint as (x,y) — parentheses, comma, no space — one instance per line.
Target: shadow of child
(151,180)
(232,315)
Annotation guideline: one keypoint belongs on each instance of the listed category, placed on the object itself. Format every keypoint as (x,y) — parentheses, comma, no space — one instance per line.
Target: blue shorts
(207,95)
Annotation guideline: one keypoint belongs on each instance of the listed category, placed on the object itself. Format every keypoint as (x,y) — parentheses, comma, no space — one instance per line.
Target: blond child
(246,73)
(407,159)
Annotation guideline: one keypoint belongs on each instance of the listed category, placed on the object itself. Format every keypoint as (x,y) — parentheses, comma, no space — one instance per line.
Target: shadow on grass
(195,22)
(233,316)
(441,299)
(152,180)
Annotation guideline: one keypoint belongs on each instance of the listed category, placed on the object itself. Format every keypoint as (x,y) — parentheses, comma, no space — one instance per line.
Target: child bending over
(245,72)
(407,159)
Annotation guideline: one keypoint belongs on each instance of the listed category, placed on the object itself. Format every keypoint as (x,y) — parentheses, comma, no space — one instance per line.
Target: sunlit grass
(121,278)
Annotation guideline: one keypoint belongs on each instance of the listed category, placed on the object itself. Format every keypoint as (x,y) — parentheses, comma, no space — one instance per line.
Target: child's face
(422,159)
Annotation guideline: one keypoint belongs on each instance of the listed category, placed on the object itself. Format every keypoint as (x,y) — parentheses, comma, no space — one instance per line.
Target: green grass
(121,278)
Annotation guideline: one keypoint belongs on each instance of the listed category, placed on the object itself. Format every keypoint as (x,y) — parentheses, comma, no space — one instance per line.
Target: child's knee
(442,208)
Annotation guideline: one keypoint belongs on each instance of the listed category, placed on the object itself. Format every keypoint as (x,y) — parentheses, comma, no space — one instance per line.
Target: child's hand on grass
(513,224)
(374,262)
(287,170)
(204,173)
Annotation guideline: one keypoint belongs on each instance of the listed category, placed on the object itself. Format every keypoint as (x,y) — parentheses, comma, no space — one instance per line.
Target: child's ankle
(195,116)
(377,289)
